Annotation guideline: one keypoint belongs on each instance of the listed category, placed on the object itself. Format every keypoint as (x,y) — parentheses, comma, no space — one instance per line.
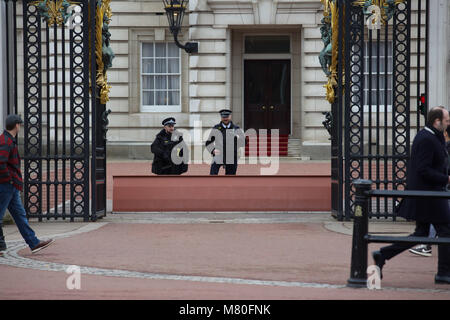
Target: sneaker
(421,250)
(42,245)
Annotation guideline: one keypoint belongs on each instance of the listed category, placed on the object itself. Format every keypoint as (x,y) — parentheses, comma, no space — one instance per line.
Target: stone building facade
(271,43)
(231,34)
(214,78)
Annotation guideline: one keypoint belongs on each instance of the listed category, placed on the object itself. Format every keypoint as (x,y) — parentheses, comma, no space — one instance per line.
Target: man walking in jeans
(11,184)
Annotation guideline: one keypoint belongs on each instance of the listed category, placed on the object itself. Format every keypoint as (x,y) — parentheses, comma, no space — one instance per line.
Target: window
(385,78)
(160,77)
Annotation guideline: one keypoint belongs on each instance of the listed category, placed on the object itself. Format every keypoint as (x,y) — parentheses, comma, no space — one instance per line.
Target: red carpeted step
(269,137)
(283,154)
(261,145)
(253,145)
(265,149)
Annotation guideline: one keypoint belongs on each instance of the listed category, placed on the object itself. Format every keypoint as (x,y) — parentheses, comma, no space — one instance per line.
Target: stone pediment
(235,5)
(258,11)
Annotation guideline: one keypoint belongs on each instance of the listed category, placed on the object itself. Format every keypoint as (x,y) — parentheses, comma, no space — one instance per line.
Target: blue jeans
(10,198)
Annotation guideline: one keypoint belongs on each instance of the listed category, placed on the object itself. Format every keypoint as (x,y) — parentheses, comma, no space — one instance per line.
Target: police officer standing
(223,144)
(171,152)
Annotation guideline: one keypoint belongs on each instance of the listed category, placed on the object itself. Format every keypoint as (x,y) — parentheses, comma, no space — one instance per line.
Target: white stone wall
(440,53)
(210,20)
(313,101)
(208,82)
(208,73)
(132,23)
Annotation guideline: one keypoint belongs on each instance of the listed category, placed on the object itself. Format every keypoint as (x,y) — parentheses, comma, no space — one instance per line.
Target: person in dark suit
(171,152)
(427,171)
(223,144)
(425,249)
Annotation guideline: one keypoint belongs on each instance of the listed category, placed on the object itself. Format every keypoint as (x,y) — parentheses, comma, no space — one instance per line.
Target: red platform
(151,193)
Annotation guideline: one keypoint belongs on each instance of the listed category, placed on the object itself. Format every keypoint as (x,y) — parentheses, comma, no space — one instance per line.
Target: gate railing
(64,95)
(379,76)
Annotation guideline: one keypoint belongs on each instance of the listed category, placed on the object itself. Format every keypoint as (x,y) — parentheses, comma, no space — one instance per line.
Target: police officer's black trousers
(422,230)
(230,169)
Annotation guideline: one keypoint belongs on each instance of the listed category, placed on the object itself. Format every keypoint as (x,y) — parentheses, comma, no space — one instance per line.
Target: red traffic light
(423,99)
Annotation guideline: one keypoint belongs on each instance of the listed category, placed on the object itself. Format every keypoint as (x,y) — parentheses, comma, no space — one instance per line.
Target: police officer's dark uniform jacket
(162,149)
(221,144)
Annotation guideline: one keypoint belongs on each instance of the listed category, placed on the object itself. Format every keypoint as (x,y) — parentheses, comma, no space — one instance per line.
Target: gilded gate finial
(386,7)
(329,30)
(54,12)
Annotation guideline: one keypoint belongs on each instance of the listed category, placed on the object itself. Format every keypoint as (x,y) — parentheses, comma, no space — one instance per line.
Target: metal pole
(14,17)
(339,115)
(94,124)
(8,42)
(344,91)
(358,271)
(3,66)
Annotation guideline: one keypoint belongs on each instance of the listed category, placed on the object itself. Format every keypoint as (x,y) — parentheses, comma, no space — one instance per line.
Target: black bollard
(358,271)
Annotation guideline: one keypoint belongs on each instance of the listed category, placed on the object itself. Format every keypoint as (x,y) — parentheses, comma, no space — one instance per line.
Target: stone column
(439,65)
(207,69)
(3,107)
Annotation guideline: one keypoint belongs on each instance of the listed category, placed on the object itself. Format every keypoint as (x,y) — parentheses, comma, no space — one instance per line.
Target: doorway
(267,95)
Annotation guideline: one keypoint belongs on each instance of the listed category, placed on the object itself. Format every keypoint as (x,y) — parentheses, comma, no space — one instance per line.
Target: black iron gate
(64,138)
(378,83)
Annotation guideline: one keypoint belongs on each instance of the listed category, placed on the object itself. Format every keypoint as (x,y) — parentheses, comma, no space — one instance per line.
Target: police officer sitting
(223,144)
(171,152)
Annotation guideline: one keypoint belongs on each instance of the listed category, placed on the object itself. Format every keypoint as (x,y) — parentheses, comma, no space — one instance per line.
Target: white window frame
(366,83)
(159,108)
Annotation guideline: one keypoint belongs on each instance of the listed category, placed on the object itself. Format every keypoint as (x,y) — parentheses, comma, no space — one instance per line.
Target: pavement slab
(50,285)
(242,257)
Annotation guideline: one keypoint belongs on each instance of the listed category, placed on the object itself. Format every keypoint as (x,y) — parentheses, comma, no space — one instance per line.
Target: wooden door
(267,95)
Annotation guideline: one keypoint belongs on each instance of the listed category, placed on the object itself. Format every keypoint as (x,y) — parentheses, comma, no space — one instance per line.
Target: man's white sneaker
(421,250)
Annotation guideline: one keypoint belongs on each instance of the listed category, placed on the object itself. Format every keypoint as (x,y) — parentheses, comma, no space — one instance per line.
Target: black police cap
(168,121)
(225,113)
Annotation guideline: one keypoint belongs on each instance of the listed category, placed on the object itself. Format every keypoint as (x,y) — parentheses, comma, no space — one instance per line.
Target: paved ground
(207,256)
